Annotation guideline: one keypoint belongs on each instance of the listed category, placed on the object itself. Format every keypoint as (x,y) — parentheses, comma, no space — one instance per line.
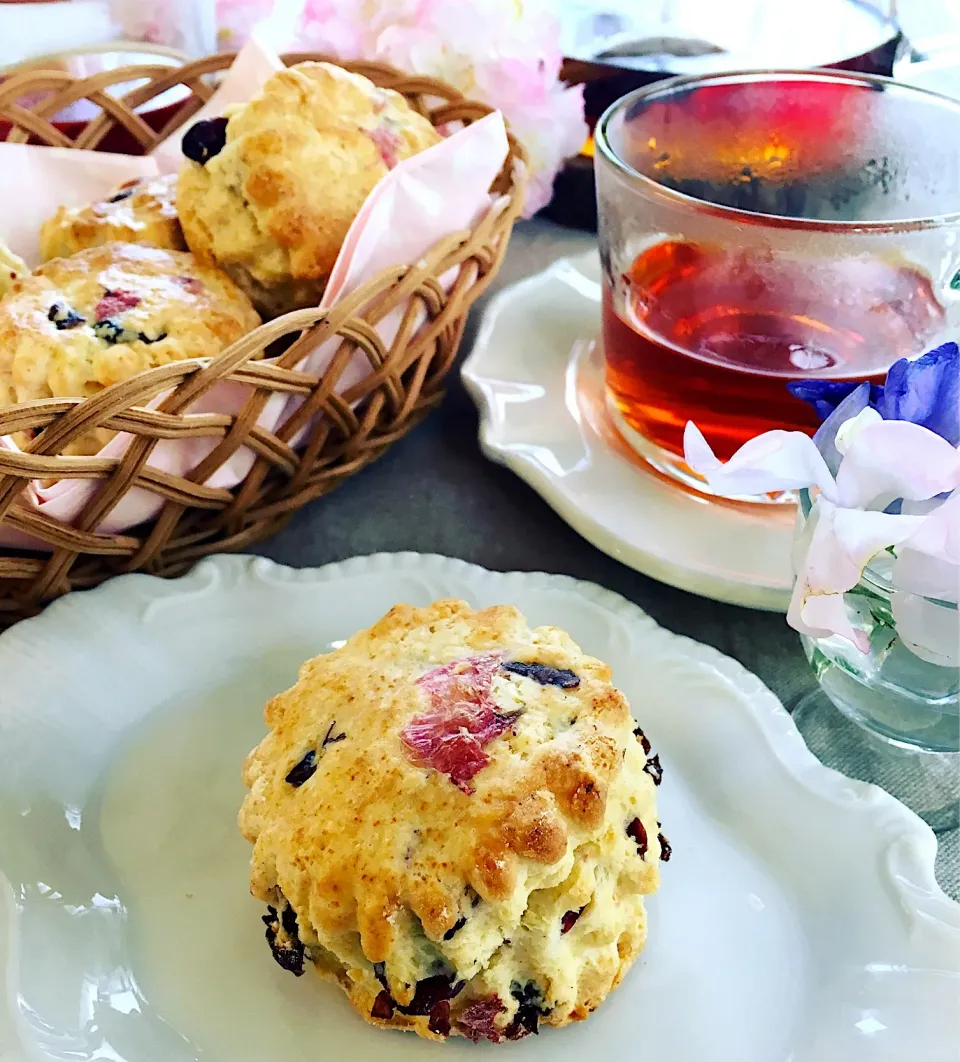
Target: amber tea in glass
(762,228)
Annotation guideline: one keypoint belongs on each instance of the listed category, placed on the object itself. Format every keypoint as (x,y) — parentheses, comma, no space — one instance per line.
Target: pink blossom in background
(505,53)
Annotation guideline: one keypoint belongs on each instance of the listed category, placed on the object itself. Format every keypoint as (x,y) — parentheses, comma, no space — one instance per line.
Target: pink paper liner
(440,191)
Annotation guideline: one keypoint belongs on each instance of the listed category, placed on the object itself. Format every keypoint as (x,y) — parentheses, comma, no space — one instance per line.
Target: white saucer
(798,919)
(543,414)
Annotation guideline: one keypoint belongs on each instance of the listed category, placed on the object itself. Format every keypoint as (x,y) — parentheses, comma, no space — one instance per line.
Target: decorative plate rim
(904,846)
(910,845)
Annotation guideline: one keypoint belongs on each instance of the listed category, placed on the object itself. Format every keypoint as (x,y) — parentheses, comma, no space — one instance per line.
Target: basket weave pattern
(347,430)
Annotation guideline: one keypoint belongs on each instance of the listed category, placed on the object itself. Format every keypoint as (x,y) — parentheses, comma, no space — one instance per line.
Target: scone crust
(523,882)
(148,215)
(273,207)
(12,269)
(181,308)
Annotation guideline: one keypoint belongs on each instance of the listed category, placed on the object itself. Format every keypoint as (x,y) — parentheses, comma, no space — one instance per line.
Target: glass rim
(646,185)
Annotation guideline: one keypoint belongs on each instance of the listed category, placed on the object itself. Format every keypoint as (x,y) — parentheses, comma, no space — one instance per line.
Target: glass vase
(887,715)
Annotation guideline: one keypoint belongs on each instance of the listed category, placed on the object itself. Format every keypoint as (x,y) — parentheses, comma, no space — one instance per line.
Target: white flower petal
(919,573)
(830,560)
(928,562)
(829,612)
(776,460)
(928,630)
(939,534)
(851,428)
(860,536)
(895,459)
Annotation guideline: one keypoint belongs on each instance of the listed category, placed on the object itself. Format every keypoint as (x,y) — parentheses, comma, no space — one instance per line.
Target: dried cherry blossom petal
(478,1020)
(776,460)
(388,142)
(462,718)
(114,302)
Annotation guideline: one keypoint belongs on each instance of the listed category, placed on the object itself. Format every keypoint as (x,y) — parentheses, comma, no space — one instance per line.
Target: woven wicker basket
(348,430)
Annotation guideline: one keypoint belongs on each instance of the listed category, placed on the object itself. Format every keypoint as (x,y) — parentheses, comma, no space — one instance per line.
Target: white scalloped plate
(798,920)
(540,390)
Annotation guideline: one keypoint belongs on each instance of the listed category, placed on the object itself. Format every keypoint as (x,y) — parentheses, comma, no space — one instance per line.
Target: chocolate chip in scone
(455,928)
(205,139)
(125,194)
(638,832)
(64,317)
(478,1020)
(287,951)
(380,973)
(303,771)
(569,920)
(654,769)
(529,1012)
(642,738)
(665,848)
(144,338)
(439,1022)
(546,676)
(382,1006)
(429,992)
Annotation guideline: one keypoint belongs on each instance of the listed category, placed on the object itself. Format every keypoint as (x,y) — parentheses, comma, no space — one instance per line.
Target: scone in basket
(341,419)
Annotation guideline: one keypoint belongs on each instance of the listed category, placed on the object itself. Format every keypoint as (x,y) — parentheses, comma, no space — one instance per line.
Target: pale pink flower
(846,528)
(505,53)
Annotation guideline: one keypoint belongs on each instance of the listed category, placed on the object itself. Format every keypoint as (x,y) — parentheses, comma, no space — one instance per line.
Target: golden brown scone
(138,211)
(277,190)
(453,816)
(12,268)
(82,323)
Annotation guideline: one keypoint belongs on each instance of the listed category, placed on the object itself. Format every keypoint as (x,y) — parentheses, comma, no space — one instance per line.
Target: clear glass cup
(757,228)
(899,714)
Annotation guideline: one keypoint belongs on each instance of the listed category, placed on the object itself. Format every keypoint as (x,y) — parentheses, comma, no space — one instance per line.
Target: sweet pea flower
(883,473)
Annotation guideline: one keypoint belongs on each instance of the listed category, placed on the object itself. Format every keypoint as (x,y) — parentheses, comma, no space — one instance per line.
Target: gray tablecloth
(435,493)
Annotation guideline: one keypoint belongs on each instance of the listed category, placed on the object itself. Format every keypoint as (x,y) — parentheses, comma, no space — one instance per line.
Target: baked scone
(138,211)
(12,268)
(82,323)
(269,193)
(453,816)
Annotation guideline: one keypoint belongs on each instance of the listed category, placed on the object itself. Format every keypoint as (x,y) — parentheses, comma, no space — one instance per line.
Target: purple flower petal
(823,395)
(855,402)
(926,391)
